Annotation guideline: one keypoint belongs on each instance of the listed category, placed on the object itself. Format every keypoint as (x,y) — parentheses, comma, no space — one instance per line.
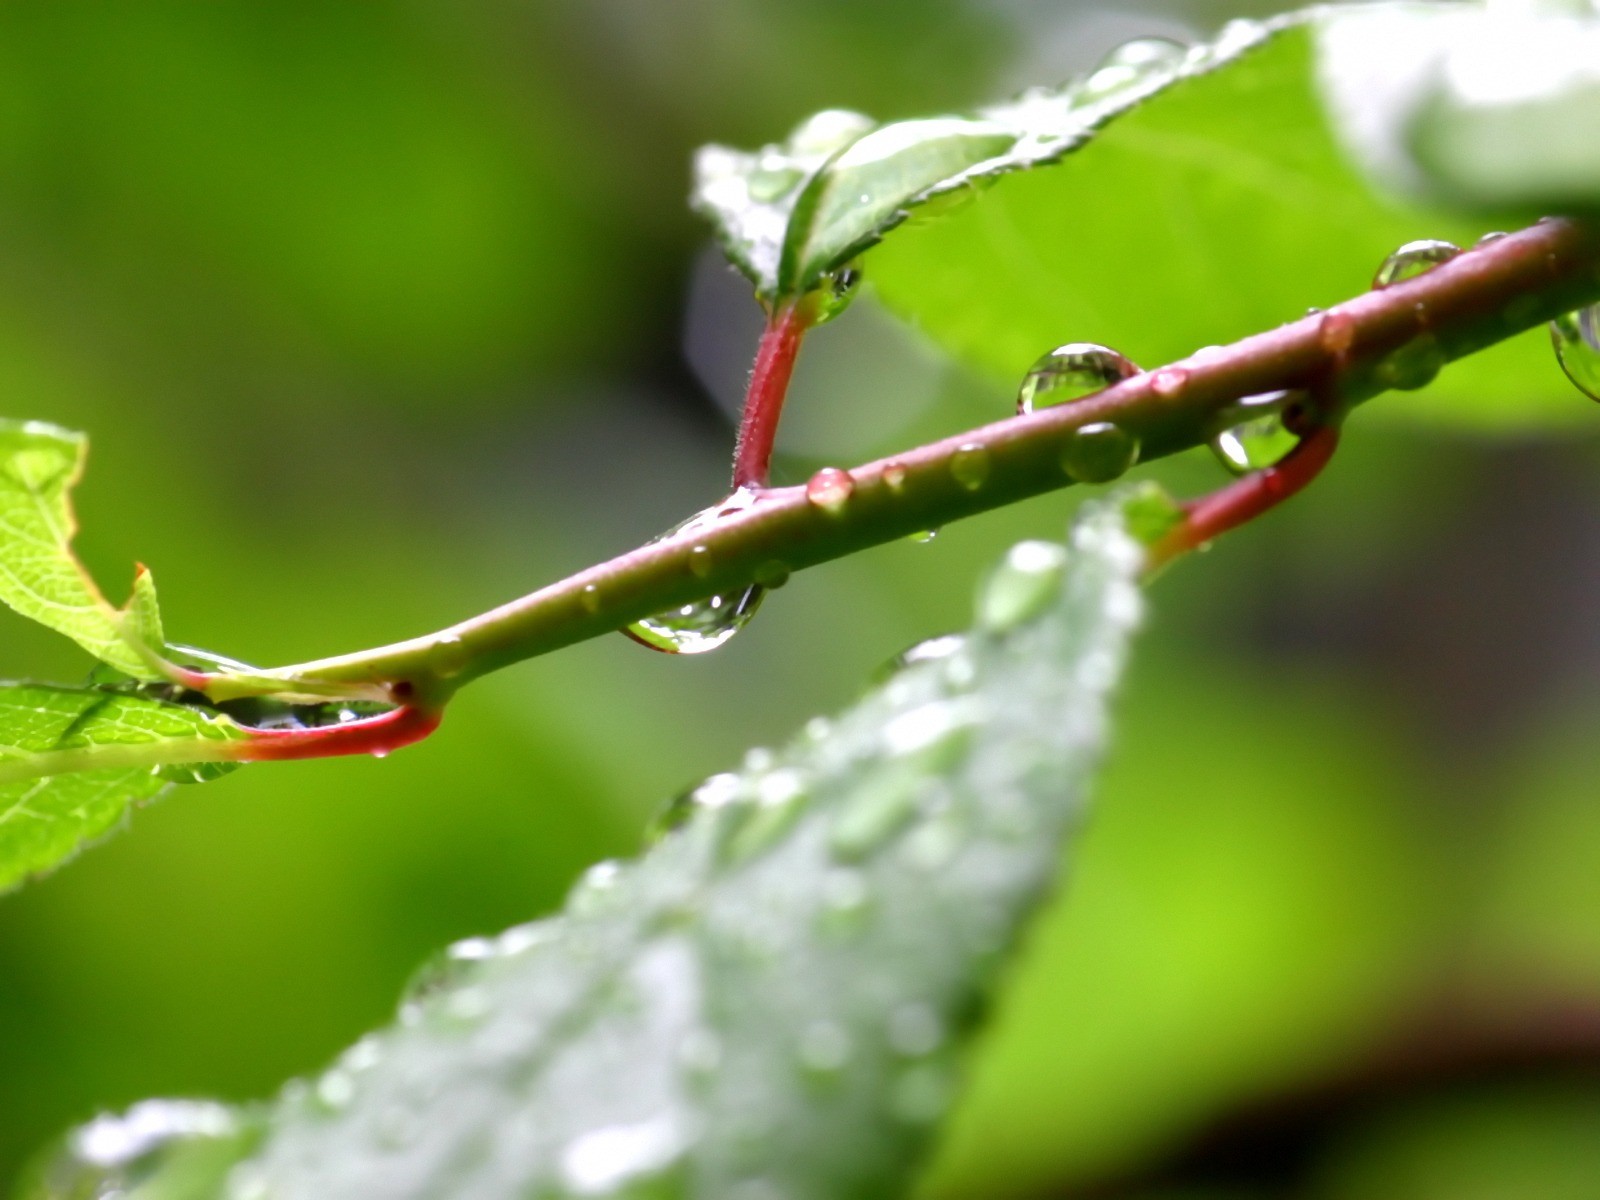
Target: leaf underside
(774,998)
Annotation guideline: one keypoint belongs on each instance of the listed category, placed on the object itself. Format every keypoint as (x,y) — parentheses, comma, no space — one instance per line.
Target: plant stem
(1395,337)
(763,400)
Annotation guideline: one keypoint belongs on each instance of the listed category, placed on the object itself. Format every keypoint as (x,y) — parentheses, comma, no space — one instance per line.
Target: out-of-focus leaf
(40,577)
(774,998)
(74,761)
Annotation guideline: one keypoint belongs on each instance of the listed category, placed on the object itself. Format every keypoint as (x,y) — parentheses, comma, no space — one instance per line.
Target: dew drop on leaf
(836,291)
(1577,341)
(828,131)
(700,625)
(1071,372)
(969,465)
(923,536)
(1257,436)
(1132,65)
(1098,452)
(1413,259)
(716,792)
(112,1155)
(830,490)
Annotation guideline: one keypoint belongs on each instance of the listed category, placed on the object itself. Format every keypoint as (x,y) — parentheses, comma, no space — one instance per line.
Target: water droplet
(596,888)
(1072,372)
(1132,66)
(1412,365)
(111,1156)
(1577,341)
(590,598)
(701,625)
(380,754)
(1098,452)
(923,536)
(700,561)
(915,1030)
(773,177)
(836,291)
(1337,332)
(970,465)
(1489,239)
(1169,382)
(830,490)
(894,475)
(1021,586)
(828,131)
(772,575)
(1257,437)
(780,799)
(447,657)
(930,650)
(717,792)
(1413,259)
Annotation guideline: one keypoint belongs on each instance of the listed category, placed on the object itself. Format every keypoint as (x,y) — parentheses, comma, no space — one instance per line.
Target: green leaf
(74,761)
(1200,203)
(40,577)
(775,998)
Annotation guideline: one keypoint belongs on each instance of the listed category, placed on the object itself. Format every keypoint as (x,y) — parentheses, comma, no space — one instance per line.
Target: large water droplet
(1131,66)
(969,465)
(829,130)
(1071,372)
(1021,586)
(836,291)
(1258,437)
(1577,340)
(1413,259)
(701,625)
(1412,365)
(830,490)
(1098,452)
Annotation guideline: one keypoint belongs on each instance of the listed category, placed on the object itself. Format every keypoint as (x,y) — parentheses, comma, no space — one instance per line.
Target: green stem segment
(1394,337)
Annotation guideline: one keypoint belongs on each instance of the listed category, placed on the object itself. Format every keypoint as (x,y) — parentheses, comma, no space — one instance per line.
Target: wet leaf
(40,576)
(775,998)
(74,761)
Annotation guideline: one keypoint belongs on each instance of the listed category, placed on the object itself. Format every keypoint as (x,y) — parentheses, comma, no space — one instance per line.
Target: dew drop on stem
(701,625)
(830,490)
(1413,259)
(969,465)
(1577,341)
(1071,372)
(1256,436)
(1098,452)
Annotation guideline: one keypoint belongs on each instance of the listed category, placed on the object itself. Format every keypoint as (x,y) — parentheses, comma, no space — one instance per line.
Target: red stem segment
(370,735)
(1247,498)
(763,400)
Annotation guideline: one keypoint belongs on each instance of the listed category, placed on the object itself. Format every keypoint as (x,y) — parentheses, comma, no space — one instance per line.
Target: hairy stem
(763,400)
(1392,338)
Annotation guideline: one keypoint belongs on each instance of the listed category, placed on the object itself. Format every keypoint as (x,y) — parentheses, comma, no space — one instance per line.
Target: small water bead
(923,536)
(772,575)
(894,476)
(1261,439)
(1169,382)
(1131,66)
(1489,239)
(969,465)
(836,291)
(589,598)
(828,131)
(717,792)
(1413,259)
(1071,372)
(447,657)
(112,1155)
(700,561)
(931,650)
(1098,452)
(1412,365)
(830,490)
(1337,332)
(1577,341)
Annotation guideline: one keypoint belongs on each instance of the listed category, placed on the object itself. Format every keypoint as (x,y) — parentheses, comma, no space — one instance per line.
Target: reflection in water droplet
(701,625)
(836,291)
(1131,66)
(1021,586)
(923,536)
(1577,341)
(1258,437)
(1098,452)
(1071,372)
(1413,259)
(969,465)
(830,490)
(1412,365)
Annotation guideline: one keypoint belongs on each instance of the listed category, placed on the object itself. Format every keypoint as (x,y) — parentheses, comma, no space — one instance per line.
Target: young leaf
(74,761)
(773,1000)
(39,575)
(1171,201)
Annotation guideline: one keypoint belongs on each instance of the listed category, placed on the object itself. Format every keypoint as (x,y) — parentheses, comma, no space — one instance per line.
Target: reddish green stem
(1247,498)
(763,400)
(369,735)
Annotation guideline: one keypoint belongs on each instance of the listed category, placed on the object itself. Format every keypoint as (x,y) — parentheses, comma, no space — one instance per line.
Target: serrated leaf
(74,761)
(1204,202)
(775,998)
(40,577)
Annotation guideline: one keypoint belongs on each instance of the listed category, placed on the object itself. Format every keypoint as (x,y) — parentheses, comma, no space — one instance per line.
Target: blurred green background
(380,314)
